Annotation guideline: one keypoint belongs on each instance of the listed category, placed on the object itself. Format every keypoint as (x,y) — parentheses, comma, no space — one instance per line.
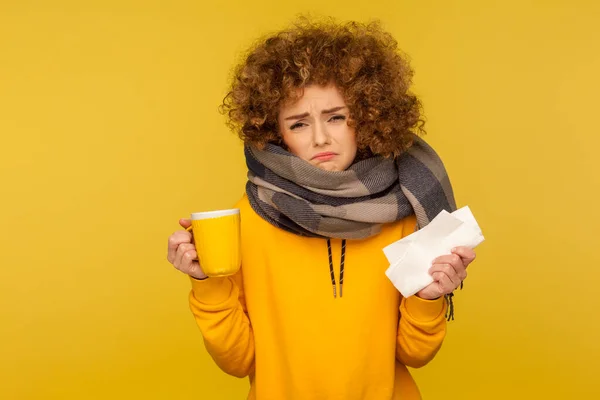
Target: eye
(297,125)
(337,118)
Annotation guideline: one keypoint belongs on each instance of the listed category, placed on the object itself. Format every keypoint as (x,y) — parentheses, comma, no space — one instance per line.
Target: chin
(328,167)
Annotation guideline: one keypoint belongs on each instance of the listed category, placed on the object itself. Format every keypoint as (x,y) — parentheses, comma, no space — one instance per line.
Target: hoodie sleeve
(421,330)
(220,312)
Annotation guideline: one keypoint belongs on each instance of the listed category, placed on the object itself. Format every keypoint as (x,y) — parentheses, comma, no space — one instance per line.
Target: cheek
(294,144)
(351,142)
(344,135)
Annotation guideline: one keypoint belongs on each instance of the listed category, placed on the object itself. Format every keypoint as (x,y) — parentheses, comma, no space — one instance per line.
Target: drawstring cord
(450,310)
(331,273)
(331,267)
(342,262)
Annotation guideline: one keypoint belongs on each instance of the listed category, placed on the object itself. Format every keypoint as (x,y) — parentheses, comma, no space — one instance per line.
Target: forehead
(314,97)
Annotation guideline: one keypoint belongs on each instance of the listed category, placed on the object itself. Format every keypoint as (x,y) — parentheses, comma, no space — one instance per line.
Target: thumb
(185,222)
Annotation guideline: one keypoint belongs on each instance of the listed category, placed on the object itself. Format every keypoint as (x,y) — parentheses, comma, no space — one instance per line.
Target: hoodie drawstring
(342,262)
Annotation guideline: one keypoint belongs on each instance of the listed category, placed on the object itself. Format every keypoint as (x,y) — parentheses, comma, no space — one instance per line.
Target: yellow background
(110,133)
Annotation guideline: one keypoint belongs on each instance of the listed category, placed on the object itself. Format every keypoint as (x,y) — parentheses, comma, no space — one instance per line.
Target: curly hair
(361,60)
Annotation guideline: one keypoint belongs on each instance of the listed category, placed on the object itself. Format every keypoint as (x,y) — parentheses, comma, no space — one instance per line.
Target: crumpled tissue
(410,258)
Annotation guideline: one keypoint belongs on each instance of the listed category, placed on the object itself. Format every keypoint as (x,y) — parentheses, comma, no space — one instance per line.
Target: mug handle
(189,229)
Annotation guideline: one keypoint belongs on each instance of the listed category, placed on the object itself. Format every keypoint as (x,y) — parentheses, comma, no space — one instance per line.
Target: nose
(320,135)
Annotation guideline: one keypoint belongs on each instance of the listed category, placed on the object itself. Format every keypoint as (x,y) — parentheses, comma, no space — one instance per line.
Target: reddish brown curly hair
(362,60)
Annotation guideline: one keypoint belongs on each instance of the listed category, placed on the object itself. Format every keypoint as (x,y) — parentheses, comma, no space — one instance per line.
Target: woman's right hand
(182,252)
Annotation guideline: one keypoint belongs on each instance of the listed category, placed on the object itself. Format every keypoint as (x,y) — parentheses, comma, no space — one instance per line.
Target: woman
(335,175)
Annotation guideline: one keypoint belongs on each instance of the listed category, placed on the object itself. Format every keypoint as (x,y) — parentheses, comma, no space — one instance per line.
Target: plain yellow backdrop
(110,132)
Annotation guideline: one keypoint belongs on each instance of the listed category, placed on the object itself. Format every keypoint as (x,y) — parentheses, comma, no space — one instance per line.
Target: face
(315,128)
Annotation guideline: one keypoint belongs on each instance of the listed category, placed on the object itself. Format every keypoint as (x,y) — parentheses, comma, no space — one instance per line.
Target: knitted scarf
(298,197)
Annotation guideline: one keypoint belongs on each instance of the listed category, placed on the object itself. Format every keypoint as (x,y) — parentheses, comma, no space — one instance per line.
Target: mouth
(324,156)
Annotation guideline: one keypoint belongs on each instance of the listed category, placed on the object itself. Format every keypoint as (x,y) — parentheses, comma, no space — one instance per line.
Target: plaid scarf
(298,197)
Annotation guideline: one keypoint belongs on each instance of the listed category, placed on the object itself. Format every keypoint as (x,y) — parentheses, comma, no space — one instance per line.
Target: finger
(459,266)
(445,259)
(196,271)
(175,240)
(432,291)
(190,264)
(178,238)
(187,262)
(186,223)
(445,284)
(453,259)
(449,271)
(468,255)
(179,257)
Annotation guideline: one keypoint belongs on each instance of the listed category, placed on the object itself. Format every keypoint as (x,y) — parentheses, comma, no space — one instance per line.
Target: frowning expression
(315,128)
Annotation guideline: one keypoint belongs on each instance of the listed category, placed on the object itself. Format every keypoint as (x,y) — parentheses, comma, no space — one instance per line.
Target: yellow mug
(217,240)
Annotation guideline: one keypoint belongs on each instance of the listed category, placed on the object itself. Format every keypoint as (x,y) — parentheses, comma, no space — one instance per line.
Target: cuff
(211,290)
(424,310)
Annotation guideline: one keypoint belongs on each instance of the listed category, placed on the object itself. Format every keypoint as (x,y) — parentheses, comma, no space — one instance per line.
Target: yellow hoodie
(277,320)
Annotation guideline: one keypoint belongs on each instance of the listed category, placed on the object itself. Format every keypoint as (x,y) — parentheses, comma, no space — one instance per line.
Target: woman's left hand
(448,272)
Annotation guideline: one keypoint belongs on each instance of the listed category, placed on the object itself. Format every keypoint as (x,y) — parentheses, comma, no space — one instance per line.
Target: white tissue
(410,258)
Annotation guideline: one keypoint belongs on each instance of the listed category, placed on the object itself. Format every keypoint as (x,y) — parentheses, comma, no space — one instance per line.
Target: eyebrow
(329,111)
